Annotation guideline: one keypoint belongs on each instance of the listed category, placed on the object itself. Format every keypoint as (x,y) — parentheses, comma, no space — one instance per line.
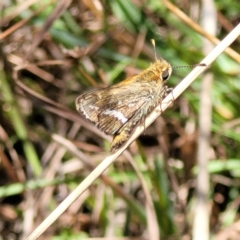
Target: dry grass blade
(60,8)
(201,219)
(233,54)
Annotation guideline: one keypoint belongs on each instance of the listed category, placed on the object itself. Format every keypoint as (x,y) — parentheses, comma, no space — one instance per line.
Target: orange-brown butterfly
(118,109)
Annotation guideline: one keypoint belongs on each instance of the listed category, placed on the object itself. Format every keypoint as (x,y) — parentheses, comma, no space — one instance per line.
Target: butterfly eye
(165,75)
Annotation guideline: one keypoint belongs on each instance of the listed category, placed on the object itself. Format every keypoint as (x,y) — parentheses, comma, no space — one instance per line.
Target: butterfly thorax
(152,74)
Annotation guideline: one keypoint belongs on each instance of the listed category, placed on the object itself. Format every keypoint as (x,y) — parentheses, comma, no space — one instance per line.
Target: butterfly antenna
(154,47)
(195,65)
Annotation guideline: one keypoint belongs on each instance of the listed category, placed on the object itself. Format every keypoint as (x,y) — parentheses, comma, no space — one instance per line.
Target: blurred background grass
(51,52)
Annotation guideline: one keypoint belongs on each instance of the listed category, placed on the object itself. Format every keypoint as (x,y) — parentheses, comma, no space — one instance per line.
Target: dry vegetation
(51,52)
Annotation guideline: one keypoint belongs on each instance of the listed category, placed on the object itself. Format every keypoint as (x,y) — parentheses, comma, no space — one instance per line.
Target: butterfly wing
(111,108)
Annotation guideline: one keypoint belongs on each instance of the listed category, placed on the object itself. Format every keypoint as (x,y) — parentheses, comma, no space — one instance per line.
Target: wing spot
(116,114)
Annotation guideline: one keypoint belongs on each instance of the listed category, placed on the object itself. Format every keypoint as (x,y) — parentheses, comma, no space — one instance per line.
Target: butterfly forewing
(118,105)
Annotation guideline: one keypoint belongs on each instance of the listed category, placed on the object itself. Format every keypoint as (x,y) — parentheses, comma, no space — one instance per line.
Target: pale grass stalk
(157,111)
(200,229)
